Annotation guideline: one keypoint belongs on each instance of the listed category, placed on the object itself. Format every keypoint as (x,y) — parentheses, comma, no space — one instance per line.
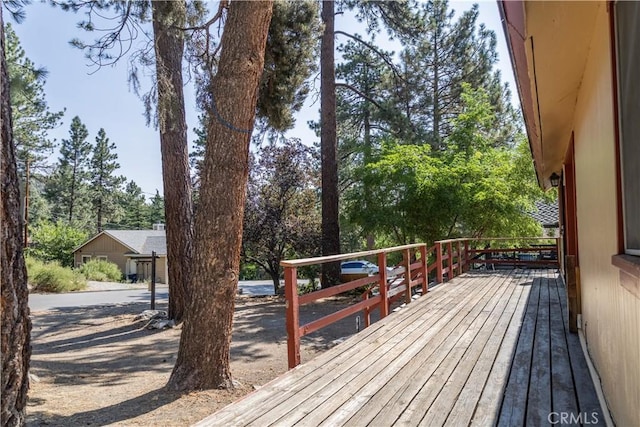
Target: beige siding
(611,314)
(115,252)
(144,270)
(104,246)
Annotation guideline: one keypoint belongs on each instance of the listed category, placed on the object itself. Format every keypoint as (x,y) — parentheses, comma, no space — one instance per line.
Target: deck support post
(293,319)
(407,275)
(439,276)
(382,270)
(424,269)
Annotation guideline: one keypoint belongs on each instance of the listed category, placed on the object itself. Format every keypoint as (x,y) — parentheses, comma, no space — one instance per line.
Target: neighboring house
(577,66)
(130,250)
(547,215)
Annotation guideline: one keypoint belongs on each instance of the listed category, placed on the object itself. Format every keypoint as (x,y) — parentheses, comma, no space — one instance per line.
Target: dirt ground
(97,366)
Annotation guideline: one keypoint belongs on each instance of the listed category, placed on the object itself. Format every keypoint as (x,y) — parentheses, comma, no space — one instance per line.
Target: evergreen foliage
(32,119)
(135,210)
(156,209)
(290,59)
(104,185)
(68,189)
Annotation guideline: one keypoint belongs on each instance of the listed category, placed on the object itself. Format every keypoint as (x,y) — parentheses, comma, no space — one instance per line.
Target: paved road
(40,302)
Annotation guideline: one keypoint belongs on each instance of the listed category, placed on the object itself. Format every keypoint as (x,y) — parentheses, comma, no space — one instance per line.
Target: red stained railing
(449,258)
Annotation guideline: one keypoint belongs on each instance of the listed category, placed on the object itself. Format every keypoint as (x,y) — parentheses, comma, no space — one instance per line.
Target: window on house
(627,21)
(102,257)
(86,258)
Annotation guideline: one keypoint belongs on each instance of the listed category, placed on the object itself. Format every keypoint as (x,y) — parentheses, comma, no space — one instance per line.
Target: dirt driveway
(97,366)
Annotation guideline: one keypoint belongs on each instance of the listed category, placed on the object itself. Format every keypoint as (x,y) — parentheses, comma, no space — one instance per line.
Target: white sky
(103,99)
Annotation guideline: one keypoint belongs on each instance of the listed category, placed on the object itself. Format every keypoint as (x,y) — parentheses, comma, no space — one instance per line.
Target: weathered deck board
(481,349)
(295,382)
(564,396)
(513,410)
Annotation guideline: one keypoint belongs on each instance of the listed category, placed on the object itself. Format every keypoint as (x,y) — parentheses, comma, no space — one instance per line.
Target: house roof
(546,214)
(139,242)
(549,44)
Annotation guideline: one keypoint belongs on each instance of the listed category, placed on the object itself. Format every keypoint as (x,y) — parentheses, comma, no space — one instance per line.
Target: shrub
(101,271)
(52,277)
(34,266)
(55,242)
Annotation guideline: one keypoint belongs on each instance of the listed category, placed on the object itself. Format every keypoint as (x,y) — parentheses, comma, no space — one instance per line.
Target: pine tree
(32,118)
(104,184)
(14,316)
(445,55)
(67,190)
(203,356)
(156,210)
(135,209)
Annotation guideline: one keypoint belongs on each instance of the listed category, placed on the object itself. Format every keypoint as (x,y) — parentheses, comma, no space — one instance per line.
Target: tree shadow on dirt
(121,411)
(67,350)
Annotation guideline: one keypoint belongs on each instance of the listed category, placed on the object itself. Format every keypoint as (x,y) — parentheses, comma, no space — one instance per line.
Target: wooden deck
(483,349)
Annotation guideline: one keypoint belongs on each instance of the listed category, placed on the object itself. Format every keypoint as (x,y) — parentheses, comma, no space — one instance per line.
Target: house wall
(144,270)
(103,246)
(115,252)
(610,313)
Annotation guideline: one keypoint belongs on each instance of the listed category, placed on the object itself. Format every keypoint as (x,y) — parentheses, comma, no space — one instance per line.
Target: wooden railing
(421,266)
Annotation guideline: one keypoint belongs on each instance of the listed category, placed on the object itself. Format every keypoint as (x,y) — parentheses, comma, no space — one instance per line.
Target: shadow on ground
(102,358)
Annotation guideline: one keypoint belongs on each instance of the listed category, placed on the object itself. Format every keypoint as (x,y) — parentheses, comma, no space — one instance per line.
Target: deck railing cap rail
(340,257)
(511,238)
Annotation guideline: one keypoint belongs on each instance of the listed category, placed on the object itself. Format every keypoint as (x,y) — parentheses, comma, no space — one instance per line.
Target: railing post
(367,312)
(424,269)
(459,249)
(439,278)
(407,274)
(452,272)
(293,319)
(558,253)
(466,255)
(382,270)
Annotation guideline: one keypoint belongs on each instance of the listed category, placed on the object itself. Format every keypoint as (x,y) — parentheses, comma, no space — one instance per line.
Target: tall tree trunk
(72,194)
(329,147)
(203,357)
(367,152)
(168,17)
(99,220)
(436,93)
(275,278)
(16,325)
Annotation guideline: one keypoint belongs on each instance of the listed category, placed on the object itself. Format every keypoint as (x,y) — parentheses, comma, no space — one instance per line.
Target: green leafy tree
(105,184)
(474,188)
(68,190)
(281,217)
(55,242)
